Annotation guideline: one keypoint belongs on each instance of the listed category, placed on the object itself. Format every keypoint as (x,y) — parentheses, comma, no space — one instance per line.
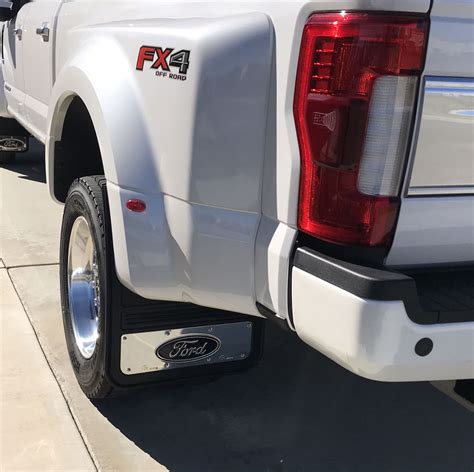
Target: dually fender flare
(106,85)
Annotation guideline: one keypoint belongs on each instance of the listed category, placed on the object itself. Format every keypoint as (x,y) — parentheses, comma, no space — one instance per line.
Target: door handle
(18,32)
(43,32)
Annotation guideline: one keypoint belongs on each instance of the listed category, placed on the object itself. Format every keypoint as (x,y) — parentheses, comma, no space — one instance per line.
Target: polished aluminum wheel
(84,287)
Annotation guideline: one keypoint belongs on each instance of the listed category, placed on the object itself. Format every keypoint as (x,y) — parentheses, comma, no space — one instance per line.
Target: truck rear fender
(190,143)
(109,99)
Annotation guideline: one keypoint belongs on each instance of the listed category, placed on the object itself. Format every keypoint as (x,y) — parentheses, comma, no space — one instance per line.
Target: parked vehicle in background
(13,137)
(227,162)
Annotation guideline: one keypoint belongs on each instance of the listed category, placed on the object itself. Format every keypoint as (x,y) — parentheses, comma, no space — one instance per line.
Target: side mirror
(6,11)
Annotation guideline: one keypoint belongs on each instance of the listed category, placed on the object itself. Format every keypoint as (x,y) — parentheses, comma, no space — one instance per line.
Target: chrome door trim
(445,191)
(449,86)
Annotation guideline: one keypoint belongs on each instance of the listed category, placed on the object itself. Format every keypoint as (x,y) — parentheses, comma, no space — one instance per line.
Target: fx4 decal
(162,59)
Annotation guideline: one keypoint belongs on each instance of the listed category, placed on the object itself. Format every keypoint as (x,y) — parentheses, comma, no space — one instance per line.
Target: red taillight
(355,91)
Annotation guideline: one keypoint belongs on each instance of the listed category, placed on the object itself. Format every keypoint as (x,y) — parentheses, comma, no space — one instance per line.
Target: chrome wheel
(84,287)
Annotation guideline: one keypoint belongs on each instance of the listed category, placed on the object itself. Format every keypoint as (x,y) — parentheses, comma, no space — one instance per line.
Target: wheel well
(78,153)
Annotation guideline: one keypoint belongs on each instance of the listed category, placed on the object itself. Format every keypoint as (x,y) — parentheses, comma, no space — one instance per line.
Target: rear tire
(7,157)
(84,262)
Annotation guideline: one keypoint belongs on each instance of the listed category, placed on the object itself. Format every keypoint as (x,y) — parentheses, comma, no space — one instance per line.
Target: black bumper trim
(373,284)
(365,282)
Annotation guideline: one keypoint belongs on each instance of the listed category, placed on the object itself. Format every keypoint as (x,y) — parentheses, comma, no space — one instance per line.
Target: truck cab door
(13,64)
(38,44)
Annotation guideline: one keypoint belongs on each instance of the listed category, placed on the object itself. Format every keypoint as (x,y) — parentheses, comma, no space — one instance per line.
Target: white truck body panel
(436,221)
(3,99)
(13,68)
(210,168)
(38,14)
(434,230)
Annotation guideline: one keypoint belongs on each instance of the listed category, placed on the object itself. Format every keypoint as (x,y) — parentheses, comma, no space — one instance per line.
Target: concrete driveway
(296,412)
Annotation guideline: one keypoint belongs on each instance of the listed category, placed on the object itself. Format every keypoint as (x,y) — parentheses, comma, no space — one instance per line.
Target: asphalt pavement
(295,412)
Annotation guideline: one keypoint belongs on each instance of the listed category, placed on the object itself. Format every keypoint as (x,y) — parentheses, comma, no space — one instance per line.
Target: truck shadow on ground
(297,411)
(31,165)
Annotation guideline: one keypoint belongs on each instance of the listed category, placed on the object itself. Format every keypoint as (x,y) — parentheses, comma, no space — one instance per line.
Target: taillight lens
(355,93)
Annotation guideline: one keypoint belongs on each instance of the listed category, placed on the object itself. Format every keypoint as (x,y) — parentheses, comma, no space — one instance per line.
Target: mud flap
(158,342)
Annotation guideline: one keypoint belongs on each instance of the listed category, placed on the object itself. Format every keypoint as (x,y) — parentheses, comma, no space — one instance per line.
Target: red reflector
(342,56)
(137,206)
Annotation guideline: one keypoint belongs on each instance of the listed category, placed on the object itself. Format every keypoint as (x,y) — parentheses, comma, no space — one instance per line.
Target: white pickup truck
(225,162)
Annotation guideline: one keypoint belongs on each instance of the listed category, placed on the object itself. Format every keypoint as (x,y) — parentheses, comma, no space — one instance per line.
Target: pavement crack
(47,264)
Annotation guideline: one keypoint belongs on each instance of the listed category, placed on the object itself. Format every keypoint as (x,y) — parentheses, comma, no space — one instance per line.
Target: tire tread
(96,188)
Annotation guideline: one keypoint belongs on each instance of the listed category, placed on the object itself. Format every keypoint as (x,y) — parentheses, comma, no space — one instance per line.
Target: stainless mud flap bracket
(185,347)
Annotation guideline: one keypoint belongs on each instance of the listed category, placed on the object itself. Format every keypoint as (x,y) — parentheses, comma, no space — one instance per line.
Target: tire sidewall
(79,203)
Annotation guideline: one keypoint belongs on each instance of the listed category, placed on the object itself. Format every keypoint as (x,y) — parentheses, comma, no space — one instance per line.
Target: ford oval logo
(188,348)
(12,144)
